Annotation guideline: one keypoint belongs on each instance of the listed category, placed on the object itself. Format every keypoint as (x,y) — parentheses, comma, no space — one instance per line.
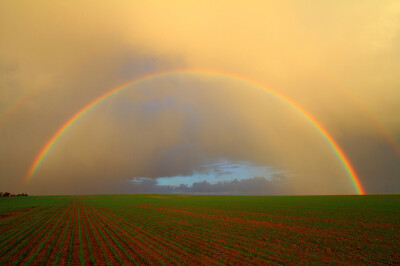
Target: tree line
(8,194)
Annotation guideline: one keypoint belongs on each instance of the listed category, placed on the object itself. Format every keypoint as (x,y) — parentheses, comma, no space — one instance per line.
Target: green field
(180,229)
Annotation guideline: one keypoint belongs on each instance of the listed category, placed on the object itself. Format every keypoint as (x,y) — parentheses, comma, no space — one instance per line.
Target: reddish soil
(193,241)
(159,237)
(224,220)
(32,245)
(110,255)
(65,247)
(10,220)
(41,258)
(6,215)
(106,234)
(75,244)
(165,234)
(59,244)
(85,248)
(145,248)
(136,248)
(96,249)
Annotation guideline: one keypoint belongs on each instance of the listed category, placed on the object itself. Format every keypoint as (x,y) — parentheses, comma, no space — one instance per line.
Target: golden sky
(338,60)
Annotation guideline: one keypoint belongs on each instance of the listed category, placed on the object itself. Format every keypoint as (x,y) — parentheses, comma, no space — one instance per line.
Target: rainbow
(335,147)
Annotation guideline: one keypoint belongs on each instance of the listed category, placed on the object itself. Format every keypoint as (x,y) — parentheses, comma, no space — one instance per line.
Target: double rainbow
(328,138)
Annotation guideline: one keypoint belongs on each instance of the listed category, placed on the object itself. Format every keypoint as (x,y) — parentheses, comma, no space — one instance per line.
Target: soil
(167,234)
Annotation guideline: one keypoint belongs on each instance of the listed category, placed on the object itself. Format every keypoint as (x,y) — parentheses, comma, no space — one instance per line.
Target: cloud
(250,186)
(329,58)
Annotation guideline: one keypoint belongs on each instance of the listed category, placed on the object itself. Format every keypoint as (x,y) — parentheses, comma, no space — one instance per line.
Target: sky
(234,97)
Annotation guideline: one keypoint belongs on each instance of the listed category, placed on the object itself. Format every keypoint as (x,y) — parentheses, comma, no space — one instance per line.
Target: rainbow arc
(322,131)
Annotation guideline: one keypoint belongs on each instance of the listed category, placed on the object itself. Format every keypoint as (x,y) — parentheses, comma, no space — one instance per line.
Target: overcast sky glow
(338,60)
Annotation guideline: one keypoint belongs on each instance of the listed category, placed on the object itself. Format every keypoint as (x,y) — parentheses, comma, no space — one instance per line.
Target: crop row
(91,231)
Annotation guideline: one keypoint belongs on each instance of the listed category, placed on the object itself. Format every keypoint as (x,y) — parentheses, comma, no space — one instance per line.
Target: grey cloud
(251,186)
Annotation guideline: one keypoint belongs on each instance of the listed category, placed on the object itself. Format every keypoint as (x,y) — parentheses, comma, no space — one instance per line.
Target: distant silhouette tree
(8,194)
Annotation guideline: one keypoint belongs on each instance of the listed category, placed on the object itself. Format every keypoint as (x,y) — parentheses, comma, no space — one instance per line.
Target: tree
(7,194)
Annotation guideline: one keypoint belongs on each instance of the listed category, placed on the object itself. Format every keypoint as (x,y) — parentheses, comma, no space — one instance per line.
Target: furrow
(75,255)
(137,246)
(99,253)
(218,237)
(103,242)
(16,232)
(86,255)
(178,250)
(34,253)
(21,247)
(119,251)
(55,253)
(193,241)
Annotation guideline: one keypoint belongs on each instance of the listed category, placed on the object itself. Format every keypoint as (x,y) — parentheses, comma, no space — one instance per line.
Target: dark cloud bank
(251,186)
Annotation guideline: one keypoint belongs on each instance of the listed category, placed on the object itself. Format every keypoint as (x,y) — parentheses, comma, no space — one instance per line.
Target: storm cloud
(250,186)
(338,61)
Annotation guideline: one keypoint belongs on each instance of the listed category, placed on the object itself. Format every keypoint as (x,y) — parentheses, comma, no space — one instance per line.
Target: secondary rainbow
(325,134)
(383,130)
(380,126)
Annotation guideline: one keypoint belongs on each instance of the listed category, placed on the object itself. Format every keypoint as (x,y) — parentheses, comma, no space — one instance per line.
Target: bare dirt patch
(6,215)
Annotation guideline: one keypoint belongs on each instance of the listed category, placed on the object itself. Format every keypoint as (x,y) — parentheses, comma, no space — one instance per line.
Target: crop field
(180,229)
